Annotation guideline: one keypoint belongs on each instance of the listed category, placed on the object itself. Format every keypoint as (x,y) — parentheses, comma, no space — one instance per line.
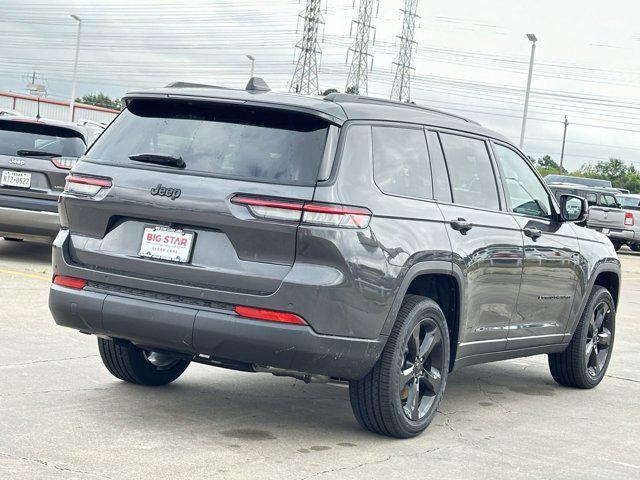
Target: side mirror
(573,208)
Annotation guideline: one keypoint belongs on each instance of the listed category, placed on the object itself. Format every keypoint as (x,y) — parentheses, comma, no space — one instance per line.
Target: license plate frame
(173,253)
(9,178)
(606,231)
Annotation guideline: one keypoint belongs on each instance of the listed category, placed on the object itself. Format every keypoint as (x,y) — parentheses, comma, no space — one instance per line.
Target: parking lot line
(26,275)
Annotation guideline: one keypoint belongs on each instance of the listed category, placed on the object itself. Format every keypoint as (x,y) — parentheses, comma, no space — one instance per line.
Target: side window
(401,162)
(592,198)
(441,186)
(524,190)
(609,201)
(473,181)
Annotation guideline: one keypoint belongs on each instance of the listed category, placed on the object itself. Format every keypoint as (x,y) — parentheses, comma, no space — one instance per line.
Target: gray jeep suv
(35,157)
(341,238)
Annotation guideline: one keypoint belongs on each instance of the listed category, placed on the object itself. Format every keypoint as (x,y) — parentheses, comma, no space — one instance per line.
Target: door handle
(532,233)
(461,225)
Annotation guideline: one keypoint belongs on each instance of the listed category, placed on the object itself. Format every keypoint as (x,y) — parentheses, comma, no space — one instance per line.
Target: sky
(472,57)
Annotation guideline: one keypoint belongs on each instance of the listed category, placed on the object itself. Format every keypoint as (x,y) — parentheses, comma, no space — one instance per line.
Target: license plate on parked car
(11,178)
(605,231)
(163,243)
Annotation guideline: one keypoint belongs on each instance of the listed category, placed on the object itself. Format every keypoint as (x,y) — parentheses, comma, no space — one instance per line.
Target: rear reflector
(628,218)
(71,282)
(310,213)
(85,185)
(269,315)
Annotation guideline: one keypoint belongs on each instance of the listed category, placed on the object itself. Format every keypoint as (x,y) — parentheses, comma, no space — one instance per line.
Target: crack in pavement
(489,396)
(61,390)
(44,463)
(46,361)
(374,462)
(626,379)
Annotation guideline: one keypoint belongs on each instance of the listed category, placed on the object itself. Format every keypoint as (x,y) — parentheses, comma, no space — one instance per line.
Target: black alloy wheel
(598,339)
(420,375)
(399,397)
(583,364)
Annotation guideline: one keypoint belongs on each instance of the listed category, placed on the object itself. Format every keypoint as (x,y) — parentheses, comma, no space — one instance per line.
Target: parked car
(606,214)
(35,158)
(342,238)
(629,201)
(7,112)
(584,181)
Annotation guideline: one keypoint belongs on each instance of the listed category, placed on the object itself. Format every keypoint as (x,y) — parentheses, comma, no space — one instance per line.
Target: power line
(358,78)
(401,89)
(305,76)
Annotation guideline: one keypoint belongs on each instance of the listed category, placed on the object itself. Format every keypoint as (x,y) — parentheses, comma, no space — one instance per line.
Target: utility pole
(75,68)
(533,39)
(401,89)
(564,139)
(358,78)
(305,76)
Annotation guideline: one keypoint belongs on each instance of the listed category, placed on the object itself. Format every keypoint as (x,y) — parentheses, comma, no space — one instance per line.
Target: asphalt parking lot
(62,415)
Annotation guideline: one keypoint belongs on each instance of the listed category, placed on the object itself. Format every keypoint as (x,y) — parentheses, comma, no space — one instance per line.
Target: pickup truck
(615,214)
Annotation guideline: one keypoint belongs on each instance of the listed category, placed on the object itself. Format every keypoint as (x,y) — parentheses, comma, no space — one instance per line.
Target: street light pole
(564,139)
(533,39)
(75,69)
(253,63)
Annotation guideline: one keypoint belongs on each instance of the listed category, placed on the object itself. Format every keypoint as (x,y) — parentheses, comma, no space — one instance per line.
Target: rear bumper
(620,235)
(219,333)
(30,218)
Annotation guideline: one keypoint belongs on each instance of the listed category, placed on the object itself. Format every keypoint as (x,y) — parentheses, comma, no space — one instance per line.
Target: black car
(342,238)
(35,157)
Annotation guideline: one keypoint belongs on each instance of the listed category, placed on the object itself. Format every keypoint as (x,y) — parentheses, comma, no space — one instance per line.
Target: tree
(547,162)
(621,174)
(352,91)
(330,90)
(546,166)
(100,100)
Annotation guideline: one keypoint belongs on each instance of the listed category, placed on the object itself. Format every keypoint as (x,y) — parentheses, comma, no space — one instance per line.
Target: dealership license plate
(163,243)
(15,179)
(605,231)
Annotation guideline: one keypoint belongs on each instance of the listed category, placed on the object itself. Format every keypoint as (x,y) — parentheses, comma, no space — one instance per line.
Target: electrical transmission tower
(358,78)
(401,89)
(305,76)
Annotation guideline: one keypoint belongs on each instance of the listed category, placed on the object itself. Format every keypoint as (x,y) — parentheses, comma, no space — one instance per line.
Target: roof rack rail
(349,98)
(193,85)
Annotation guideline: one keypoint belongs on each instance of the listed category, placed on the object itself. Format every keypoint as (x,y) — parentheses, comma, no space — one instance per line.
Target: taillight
(269,315)
(309,213)
(65,163)
(70,282)
(89,186)
(628,218)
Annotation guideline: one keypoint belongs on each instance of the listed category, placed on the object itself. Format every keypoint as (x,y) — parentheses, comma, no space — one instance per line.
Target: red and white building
(54,109)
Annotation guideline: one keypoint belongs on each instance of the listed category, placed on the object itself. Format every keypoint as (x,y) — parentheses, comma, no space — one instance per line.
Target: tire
(635,247)
(573,367)
(130,363)
(377,399)
(617,245)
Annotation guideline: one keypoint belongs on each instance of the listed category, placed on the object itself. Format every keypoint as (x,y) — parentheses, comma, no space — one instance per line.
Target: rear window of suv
(18,135)
(216,139)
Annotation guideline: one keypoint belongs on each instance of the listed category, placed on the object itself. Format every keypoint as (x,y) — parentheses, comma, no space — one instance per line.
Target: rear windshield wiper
(159,159)
(36,153)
